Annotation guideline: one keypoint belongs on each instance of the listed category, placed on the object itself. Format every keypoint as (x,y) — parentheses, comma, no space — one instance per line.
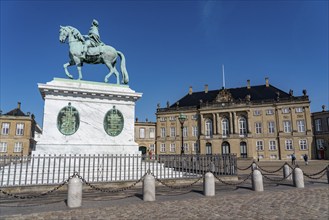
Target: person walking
(306,159)
(293,159)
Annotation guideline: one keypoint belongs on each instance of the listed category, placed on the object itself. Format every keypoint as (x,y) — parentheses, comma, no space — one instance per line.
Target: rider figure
(94,38)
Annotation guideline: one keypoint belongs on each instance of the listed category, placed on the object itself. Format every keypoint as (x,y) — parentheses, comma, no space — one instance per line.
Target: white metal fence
(54,169)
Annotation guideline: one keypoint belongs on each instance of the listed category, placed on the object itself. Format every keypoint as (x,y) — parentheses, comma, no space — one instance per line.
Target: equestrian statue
(90,49)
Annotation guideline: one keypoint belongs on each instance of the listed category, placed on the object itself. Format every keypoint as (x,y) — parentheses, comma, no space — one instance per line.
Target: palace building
(260,122)
(321,133)
(145,136)
(17,132)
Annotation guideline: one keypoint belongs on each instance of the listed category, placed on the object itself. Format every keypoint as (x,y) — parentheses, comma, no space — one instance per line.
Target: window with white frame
(185,131)
(259,145)
(195,147)
(320,144)
(285,110)
(163,132)
(242,126)
(272,145)
(318,125)
(258,127)
(172,132)
(301,125)
(163,147)
(172,118)
(286,126)
(273,156)
(288,144)
(152,132)
(152,146)
(270,111)
(3,147)
(208,148)
(5,128)
(163,119)
(172,147)
(208,128)
(225,127)
(195,117)
(303,144)
(142,133)
(257,112)
(299,109)
(186,148)
(18,147)
(271,127)
(195,131)
(19,129)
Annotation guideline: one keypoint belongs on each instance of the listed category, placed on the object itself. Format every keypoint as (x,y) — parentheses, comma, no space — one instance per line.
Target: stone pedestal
(83,117)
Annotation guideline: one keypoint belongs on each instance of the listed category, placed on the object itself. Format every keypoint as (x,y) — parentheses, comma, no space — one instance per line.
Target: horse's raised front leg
(66,71)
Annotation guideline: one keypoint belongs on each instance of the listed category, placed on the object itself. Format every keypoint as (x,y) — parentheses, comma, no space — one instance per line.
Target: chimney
(248,84)
(19,105)
(266,82)
(190,91)
(206,88)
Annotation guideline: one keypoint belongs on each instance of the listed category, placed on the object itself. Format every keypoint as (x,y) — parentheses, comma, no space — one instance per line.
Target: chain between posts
(279,180)
(275,171)
(110,191)
(245,168)
(232,184)
(316,178)
(176,187)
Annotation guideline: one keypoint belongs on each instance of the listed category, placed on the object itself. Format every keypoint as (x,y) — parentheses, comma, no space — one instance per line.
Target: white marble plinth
(92,100)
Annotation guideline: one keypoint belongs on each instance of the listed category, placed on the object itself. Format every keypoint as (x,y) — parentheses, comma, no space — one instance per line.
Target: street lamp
(182,119)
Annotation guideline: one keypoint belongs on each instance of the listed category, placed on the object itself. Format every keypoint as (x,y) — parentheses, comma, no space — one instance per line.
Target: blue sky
(169,46)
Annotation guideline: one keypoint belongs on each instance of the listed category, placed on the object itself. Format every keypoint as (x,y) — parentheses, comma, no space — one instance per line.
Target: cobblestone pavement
(278,201)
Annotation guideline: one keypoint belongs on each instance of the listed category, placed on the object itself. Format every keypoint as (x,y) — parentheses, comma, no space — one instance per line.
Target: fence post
(149,188)
(209,184)
(286,172)
(298,178)
(74,195)
(257,181)
(254,166)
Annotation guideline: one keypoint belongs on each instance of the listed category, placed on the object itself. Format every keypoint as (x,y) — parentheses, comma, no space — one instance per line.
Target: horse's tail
(125,77)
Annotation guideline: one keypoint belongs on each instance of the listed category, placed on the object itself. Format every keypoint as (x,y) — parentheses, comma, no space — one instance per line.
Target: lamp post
(182,119)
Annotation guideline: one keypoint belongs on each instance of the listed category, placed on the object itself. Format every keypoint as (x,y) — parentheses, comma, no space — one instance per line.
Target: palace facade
(17,132)
(260,122)
(145,136)
(321,133)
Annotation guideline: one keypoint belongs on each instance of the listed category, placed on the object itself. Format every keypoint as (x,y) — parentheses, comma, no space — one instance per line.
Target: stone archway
(143,149)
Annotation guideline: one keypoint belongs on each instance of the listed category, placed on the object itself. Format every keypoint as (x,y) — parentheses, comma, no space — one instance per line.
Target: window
(152,147)
(3,147)
(20,129)
(285,110)
(259,145)
(257,112)
(186,147)
(196,147)
(172,147)
(225,127)
(242,126)
(163,119)
(163,132)
(286,126)
(208,148)
(5,128)
(226,148)
(195,131)
(301,125)
(163,147)
(142,133)
(303,144)
(273,156)
(258,126)
(152,132)
(288,144)
(269,111)
(194,117)
(320,144)
(272,145)
(172,118)
(318,125)
(18,147)
(299,109)
(185,131)
(208,128)
(271,127)
(172,132)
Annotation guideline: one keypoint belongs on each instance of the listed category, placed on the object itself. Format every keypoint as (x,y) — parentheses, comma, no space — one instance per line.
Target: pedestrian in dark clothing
(306,159)
(293,158)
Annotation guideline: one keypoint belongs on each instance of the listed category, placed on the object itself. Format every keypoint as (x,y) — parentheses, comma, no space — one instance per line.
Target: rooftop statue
(90,49)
